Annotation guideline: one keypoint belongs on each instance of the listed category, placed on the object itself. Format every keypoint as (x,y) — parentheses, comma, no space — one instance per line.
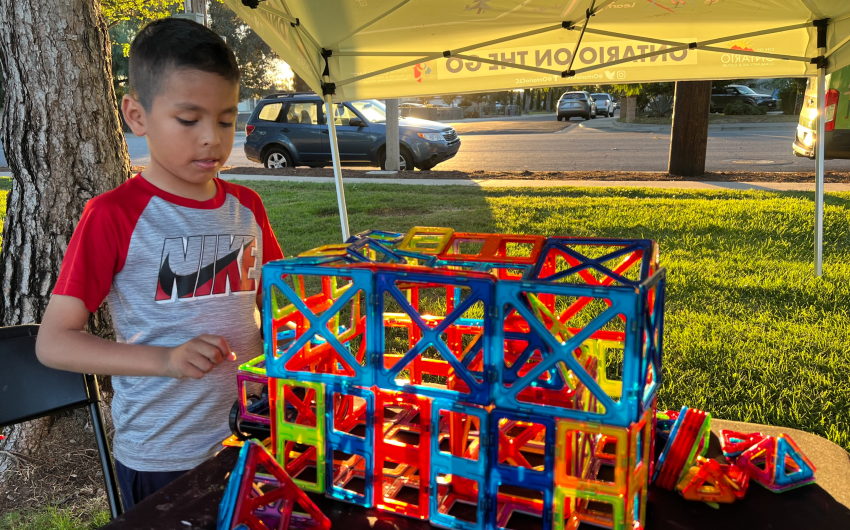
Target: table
(191,502)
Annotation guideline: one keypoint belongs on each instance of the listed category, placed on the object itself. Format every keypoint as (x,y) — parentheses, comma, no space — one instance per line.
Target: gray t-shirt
(171,269)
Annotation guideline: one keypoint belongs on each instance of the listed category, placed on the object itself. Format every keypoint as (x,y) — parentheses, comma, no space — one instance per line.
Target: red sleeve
(98,248)
(251,200)
(271,248)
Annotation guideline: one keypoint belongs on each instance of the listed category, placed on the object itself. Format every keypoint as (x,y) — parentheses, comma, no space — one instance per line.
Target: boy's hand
(197,357)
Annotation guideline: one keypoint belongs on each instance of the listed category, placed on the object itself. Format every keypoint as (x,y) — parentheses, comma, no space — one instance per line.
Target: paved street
(580,149)
(510,145)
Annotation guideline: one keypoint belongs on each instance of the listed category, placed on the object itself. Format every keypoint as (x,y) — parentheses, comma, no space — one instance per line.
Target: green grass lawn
(750,334)
(84,517)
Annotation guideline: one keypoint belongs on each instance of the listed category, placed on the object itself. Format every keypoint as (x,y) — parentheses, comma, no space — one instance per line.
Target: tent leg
(819,157)
(340,190)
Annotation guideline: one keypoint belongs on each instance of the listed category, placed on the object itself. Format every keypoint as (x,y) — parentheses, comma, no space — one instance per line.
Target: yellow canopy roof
(397,48)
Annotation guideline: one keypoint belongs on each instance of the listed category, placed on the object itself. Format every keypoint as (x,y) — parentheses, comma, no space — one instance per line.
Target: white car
(604,104)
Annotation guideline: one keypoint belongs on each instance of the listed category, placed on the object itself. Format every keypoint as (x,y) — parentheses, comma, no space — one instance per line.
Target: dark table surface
(192,501)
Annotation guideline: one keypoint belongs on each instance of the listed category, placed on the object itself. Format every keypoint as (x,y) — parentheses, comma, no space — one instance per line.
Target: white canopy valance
(397,48)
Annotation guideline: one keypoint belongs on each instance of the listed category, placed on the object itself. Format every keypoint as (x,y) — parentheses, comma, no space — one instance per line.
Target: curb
(712,127)
(621,127)
(499,183)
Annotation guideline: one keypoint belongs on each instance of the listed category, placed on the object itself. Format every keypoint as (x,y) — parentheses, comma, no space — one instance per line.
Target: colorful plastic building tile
(706,482)
(688,439)
(330,359)
(426,240)
(298,433)
(428,351)
(777,464)
(260,495)
(402,453)
(459,465)
(560,341)
(350,433)
(734,443)
(522,466)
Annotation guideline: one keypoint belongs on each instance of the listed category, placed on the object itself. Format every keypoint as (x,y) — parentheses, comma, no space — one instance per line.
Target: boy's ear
(134,114)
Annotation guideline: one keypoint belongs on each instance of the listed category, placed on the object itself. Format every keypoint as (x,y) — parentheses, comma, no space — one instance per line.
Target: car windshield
(597,97)
(573,95)
(745,90)
(371,109)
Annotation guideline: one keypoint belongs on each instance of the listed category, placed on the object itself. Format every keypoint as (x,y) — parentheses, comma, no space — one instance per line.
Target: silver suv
(577,103)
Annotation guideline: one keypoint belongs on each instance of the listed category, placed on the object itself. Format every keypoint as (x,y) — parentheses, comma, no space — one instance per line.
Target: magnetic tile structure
(478,381)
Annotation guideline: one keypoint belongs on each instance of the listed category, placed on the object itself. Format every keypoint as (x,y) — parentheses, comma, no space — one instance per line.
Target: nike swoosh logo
(186,282)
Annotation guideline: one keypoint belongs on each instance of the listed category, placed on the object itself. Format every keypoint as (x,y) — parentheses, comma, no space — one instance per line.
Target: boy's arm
(62,344)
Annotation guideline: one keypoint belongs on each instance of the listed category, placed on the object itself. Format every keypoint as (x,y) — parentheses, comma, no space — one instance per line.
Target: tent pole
(819,156)
(340,191)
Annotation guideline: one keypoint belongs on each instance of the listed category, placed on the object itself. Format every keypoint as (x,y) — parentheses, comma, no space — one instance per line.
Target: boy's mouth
(205,163)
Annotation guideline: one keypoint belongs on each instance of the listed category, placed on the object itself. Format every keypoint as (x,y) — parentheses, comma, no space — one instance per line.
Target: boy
(177,254)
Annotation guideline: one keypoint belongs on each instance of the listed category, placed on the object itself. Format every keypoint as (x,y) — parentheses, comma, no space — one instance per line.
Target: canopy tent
(359,49)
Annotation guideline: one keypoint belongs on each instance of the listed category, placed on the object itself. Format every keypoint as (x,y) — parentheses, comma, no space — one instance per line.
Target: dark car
(732,93)
(290,129)
(579,104)
(604,104)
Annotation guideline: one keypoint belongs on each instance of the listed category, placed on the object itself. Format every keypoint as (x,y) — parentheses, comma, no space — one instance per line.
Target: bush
(739,108)
(788,99)
(660,107)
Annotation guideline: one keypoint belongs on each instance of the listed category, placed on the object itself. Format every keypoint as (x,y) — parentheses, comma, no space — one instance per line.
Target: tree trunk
(62,138)
(526,99)
(689,136)
(549,99)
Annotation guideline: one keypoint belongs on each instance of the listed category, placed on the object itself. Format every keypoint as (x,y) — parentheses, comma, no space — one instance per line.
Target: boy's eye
(226,123)
(187,122)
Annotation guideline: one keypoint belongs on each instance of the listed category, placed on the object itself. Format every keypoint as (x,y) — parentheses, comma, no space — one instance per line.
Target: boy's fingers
(210,352)
(192,371)
(218,342)
(201,363)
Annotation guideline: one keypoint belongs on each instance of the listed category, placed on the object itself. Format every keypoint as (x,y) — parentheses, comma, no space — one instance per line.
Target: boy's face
(190,126)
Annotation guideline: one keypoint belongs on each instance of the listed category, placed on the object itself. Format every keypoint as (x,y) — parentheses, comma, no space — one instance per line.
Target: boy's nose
(212,137)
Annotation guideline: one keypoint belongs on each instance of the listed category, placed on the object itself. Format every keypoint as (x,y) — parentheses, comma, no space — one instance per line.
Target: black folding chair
(30,390)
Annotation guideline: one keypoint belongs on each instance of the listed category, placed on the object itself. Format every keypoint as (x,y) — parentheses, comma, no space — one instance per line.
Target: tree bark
(549,98)
(526,99)
(62,138)
(689,135)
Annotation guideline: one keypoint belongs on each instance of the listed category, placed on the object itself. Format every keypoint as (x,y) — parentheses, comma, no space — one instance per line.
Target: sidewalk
(520,183)
(612,125)
(500,183)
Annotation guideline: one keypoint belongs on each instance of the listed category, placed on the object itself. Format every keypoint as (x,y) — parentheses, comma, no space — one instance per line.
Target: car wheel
(277,158)
(405,160)
(593,116)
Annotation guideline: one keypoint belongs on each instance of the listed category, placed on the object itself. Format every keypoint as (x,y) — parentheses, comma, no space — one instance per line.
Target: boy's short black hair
(170,44)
